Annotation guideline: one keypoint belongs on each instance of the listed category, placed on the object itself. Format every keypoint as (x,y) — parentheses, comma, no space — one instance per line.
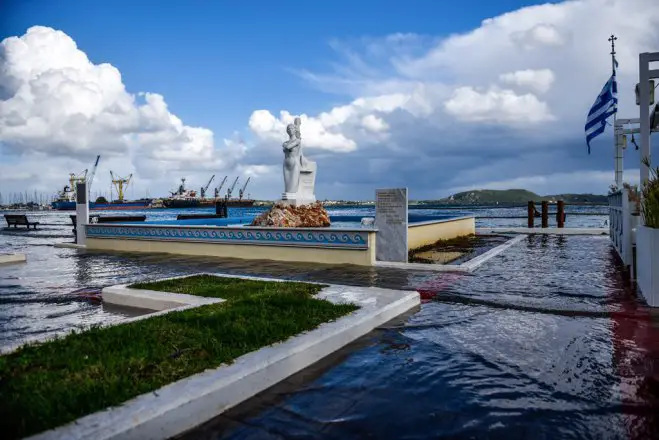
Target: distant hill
(580,198)
(514,197)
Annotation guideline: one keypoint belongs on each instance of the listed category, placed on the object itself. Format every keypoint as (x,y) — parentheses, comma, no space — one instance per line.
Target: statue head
(297,122)
(290,130)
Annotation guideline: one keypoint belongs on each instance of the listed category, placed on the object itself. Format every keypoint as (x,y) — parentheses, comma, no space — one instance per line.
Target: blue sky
(217,62)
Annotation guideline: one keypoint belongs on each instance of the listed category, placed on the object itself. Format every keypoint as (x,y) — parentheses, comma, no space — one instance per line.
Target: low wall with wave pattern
(314,245)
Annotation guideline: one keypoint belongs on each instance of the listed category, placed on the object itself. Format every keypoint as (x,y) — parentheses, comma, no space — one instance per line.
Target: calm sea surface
(545,341)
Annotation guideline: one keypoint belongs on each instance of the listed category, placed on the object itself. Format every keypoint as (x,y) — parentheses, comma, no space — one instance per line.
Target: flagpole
(617,148)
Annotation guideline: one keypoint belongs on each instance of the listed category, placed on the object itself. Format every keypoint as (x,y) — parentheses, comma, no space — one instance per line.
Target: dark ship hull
(64,205)
(205,203)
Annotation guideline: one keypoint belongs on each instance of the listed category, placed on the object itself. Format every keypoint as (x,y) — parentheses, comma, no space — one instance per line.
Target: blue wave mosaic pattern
(273,237)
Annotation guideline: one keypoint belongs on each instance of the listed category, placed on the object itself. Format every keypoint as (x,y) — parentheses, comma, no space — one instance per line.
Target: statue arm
(289,145)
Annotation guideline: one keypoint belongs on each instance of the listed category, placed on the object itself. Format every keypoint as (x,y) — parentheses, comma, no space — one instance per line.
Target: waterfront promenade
(543,341)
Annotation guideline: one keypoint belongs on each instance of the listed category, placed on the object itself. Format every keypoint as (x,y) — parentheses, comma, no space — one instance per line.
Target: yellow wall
(364,257)
(422,235)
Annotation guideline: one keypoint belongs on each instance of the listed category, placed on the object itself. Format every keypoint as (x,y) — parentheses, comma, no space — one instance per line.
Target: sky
(417,94)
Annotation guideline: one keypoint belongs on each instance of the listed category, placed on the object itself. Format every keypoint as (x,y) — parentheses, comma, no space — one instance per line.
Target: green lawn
(47,385)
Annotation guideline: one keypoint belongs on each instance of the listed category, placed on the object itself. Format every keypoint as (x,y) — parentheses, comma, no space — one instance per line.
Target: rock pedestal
(283,215)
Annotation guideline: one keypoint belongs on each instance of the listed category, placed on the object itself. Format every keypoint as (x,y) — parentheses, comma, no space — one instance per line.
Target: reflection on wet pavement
(543,341)
(533,345)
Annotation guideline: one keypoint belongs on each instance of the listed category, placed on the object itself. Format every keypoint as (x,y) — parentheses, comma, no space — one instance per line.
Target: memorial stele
(299,172)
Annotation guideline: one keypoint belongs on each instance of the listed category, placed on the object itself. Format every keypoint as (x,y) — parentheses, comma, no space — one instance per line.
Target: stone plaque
(307,185)
(391,221)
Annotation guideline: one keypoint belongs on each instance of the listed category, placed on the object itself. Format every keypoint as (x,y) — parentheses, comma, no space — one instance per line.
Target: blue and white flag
(605,106)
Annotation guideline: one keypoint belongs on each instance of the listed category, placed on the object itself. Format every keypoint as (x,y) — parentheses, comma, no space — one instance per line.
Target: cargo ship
(66,198)
(66,201)
(187,198)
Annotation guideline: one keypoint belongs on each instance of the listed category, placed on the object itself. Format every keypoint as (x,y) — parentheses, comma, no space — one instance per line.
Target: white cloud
(316,132)
(374,124)
(54,102)
(497,105)
(537,80)
(540,35)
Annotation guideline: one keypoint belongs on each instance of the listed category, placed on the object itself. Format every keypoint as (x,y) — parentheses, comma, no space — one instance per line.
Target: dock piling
(560,214)
(221,208)
(545,214)
(531,214)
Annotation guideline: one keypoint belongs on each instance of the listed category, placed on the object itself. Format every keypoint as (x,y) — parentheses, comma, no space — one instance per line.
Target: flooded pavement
(39,299)
(543,341)
(457,250)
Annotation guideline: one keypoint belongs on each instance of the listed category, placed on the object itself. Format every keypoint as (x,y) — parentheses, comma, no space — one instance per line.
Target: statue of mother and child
(299,172)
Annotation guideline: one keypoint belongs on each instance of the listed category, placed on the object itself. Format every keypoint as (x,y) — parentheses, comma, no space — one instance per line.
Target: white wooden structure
(621,223)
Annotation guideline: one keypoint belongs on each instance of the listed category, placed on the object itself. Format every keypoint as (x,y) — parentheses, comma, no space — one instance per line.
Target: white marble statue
(292,157)
(299,172)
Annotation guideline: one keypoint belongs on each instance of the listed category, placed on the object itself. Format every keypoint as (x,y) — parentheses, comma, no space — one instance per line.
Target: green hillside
(580,198)
(515,196)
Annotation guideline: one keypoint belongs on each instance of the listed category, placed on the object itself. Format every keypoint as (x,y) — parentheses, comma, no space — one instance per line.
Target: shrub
(634,197)
(650,200)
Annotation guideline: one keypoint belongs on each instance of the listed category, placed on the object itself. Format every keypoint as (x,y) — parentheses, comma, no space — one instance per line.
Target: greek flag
(605,105)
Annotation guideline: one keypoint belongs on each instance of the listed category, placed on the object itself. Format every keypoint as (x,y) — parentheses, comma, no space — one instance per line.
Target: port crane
(180,190)
(73,179)
(91,176)
(204,188)
(241,192)
(230,190)
(119,183)
(219,188)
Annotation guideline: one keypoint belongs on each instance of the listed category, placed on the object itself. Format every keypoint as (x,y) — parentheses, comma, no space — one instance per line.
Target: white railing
(621,224)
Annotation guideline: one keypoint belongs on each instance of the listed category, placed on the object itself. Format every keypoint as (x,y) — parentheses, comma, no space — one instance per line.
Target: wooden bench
(19,219)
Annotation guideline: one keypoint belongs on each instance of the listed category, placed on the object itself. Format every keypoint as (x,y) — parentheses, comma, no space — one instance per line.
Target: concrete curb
(474,263)
(192,401)
(467,266)
(122,295)
(12,258)
(70,246)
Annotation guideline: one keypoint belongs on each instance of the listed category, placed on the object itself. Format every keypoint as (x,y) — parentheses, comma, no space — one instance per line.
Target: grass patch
(226,288)
(46,385)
